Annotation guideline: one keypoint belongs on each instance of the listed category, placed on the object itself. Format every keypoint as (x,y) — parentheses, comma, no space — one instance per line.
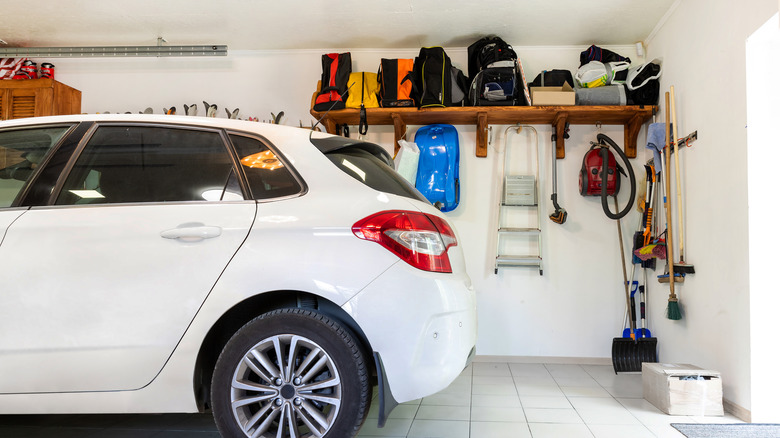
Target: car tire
(321,389)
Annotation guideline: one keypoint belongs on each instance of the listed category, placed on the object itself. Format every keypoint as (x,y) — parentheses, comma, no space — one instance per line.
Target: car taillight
(419,239)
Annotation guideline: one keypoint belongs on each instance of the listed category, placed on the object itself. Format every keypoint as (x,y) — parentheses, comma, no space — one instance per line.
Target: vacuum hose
(603,139)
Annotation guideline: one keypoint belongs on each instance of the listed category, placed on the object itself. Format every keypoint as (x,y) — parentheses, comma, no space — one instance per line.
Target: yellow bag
(363,89)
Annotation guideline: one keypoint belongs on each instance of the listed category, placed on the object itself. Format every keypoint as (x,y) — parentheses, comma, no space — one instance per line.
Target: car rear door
(101,283)
(22,149)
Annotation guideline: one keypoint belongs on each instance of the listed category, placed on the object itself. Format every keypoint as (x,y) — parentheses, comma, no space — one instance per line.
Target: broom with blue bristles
(673,308)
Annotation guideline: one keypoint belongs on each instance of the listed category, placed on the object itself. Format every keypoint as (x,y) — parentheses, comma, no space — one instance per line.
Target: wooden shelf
(632,117)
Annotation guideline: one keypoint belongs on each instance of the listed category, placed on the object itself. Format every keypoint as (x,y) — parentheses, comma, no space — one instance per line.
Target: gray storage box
(682,389)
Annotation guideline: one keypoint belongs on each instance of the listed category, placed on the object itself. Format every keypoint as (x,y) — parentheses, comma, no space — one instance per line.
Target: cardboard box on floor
(682,389)
(563,95)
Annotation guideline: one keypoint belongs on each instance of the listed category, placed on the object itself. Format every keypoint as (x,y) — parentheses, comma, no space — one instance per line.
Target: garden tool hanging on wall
(637,344)
(680,266)
(633,348)
(559,214)
(673,306)
(644,241)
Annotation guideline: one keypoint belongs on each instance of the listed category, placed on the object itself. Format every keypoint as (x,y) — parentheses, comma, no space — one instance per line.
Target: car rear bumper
(422,324)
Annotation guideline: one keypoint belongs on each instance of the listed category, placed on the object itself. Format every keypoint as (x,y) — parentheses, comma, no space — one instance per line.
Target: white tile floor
(497,400)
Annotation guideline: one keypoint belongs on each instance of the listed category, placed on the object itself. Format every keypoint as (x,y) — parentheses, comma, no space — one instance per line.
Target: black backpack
(437,82)
(495,74)
(333,92)
(497,86)
(487,51)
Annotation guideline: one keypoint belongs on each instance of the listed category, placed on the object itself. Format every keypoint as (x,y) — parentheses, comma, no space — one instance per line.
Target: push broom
(681,266)
(673,308)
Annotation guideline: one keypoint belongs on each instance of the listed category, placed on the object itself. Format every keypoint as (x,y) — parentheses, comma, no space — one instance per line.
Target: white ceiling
(332,24)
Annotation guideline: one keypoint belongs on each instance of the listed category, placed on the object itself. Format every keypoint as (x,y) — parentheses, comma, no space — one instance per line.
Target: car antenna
(331,107)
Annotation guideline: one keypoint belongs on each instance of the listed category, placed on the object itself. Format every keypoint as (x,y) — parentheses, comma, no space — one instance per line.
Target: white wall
(703,49)
(763,114)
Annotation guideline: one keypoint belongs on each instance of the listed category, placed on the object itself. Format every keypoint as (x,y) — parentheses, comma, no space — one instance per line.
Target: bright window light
(87,194)
(220,195)
(354,168)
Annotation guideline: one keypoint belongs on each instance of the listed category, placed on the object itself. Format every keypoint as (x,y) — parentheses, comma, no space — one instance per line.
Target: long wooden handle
(668,208)
(625,275)
(677,175)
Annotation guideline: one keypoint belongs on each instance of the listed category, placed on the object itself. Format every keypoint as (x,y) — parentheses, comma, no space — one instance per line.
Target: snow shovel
(629,353)
(632,312)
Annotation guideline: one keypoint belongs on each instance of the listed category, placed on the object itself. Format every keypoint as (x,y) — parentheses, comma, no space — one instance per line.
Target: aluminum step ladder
(519,216)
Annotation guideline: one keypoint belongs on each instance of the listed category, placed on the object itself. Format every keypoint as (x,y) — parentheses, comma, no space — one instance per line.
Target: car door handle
(190,232)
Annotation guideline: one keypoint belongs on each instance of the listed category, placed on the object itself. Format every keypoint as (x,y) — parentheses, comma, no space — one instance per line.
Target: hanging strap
(363,126)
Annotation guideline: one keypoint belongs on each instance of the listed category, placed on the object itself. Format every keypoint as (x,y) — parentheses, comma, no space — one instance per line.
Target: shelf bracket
(330,126)
(559,124)
(400,130)
(482,134)
(630,133)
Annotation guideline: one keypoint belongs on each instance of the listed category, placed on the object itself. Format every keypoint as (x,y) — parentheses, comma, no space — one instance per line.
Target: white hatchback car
(178,264)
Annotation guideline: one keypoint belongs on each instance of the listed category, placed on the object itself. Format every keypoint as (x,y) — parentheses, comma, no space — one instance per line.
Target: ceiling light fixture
(113,51)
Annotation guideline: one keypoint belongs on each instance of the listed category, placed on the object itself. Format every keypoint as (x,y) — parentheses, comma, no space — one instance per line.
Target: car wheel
(290,373)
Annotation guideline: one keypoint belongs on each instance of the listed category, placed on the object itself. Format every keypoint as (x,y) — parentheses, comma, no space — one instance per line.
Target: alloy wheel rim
(285,386)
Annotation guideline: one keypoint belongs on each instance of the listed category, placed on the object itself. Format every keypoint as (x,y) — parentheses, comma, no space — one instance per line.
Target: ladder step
(516,260)
(519,230)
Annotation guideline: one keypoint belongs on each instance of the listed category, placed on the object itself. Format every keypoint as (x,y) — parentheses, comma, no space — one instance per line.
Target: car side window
(267,175)
(21,152)
(123,164)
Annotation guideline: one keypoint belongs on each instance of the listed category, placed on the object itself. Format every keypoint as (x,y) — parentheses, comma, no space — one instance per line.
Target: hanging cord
(604,140)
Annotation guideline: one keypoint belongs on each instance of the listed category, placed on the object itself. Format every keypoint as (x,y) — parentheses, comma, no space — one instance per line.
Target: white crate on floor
(682,389)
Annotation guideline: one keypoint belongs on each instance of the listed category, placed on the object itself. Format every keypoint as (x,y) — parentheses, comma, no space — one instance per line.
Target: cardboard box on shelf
(562,95)
(682,389)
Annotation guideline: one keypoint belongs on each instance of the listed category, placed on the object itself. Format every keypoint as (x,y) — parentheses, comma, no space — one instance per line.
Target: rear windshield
(373,172)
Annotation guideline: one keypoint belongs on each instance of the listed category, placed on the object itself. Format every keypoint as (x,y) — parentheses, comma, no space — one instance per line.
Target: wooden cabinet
(36,98)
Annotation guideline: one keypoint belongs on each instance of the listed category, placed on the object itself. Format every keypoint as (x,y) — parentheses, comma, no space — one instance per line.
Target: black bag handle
(363,126)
